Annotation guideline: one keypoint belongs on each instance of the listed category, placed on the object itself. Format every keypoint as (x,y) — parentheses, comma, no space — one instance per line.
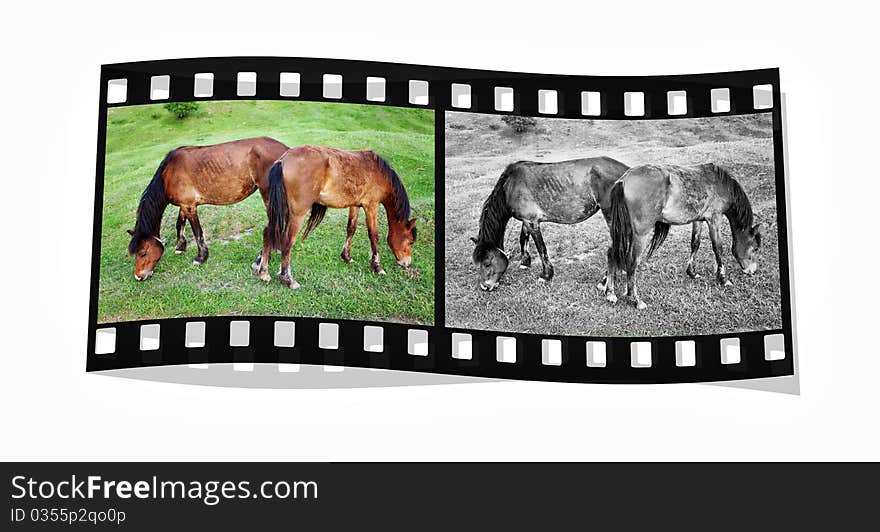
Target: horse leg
(607,284)
(352,226)
(257,262)
(526,259)
(284,276)
(372,213)
(264,194)
(602,285)
(696,234)
(718,248)
(199,236)
(181,239)
(640,242)
(261,265)
(547,272)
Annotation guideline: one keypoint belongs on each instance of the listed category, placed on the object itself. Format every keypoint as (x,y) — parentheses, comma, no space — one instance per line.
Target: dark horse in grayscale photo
(566,192)
(650,198)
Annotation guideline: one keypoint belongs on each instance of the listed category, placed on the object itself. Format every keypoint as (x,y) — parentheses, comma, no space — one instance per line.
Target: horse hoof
(290,283)
(381,272)
(179,251)
(728,283)
(197,262)
(641,305)
(523,266)
(265,277)
(611,298)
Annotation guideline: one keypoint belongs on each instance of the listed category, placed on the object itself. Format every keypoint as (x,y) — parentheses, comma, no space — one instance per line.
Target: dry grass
(479,146)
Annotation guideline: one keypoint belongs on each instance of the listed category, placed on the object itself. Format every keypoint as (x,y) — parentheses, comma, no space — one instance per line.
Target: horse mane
(151,207)
(495,214)
(740,210)
(400,201)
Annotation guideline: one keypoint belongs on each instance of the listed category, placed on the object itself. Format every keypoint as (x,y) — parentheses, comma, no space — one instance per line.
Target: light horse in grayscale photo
(566,192)
(650,198)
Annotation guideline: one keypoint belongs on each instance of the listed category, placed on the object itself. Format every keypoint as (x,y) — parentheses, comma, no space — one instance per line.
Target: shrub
(182,109)
(520,124)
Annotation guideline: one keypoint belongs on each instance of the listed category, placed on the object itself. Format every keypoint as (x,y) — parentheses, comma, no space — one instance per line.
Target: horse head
(746,243)
(147,251)
(492,262)
(401,237)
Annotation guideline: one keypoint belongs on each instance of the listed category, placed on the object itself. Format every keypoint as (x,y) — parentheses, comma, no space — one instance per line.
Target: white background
(51,409)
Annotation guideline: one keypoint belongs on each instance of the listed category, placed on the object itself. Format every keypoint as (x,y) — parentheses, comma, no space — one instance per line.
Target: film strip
(121,335)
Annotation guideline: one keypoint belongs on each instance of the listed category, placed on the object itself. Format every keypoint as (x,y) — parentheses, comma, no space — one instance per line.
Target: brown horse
(566,192)
(649,198)
(310,179)
(190,176)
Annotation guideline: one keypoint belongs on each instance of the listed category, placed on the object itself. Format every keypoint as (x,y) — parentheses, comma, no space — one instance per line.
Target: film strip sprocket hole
(356,105)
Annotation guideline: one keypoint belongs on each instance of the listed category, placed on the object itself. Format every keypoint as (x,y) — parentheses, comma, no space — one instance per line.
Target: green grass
(478,147)
(138,138)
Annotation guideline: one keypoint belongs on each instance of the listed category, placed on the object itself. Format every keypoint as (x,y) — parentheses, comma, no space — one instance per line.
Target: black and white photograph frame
(555,205)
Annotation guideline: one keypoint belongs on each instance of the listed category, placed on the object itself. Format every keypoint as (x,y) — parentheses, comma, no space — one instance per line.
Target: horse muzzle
(750,268)
(144,276)
(405,262)
(487,287)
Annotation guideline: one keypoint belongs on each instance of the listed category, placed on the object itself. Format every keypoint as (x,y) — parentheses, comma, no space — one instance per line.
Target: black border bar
(494,496)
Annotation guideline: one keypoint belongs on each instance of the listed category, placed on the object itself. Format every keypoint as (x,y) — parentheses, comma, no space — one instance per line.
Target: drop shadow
(272,376)
(790,384)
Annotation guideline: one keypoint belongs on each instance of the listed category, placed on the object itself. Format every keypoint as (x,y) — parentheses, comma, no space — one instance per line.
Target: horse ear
(756,233)
(130,232)
(412,223)
(474,240)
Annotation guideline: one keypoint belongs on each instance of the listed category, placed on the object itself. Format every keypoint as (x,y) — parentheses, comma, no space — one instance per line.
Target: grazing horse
(650,198)
(309,179)
(189,176)
(566,192)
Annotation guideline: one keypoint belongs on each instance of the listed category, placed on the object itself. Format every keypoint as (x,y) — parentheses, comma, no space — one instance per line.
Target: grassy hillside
(478,147)
(138,138)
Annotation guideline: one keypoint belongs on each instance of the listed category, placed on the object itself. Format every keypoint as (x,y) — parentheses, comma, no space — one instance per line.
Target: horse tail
(278,210)
(315,217)
(661,229)
(621,229)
